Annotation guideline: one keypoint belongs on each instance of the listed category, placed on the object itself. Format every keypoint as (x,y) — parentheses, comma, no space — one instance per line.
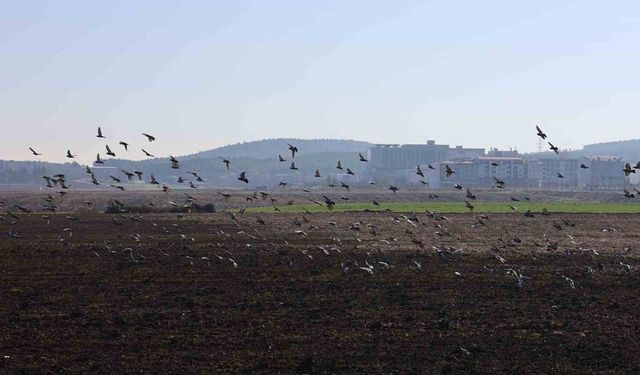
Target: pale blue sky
(204,74)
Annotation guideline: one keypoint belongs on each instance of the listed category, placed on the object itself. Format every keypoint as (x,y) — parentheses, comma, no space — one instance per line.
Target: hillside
(628,150)
(270,148)
(259,159)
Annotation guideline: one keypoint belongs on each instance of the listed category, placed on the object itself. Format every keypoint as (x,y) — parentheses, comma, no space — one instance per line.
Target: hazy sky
(208,73)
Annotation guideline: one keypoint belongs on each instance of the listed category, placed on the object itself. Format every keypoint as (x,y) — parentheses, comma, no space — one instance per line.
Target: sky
(202,74)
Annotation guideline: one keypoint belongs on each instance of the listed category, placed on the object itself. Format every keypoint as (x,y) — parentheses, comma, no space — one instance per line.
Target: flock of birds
(370,263)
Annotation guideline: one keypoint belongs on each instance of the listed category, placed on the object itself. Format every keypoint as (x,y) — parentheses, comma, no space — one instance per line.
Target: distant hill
(270,148)
(627,150)
(258,158)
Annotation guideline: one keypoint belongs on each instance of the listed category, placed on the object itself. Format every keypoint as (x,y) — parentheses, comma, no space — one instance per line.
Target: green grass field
(453,207)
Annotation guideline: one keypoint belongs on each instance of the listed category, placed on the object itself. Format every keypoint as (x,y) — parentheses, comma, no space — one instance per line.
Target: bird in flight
(582,166)
(628,170)
(226,162)
(317,173)
(100,133)
(362,158)
(109,152)
(293,166)
(125,145)
(280,158)
(243,178)
(293,149)
(419,171)
(69,155)
(148,154)
(339,166)
(98,160)
(34,152)
(553,148)
(448,170)
(149,137)
(541,133)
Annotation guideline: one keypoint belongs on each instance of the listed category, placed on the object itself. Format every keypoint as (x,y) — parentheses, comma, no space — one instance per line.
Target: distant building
(481,172)
(567,168)
(603,173)
(393,157)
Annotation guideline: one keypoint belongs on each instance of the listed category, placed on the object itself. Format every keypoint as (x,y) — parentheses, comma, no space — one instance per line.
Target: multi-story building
(385,157)
(603,173)
(555,167)
(481,172)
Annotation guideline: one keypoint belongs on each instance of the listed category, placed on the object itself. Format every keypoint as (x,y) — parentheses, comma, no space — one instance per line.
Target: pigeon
(98,160)
(362,158)
(628,170)
(541,133)
(553,148)
(109,152)
(243,178)
(293,149)
(448,170)
(226,162)
(149,137)
(125,145)
(100,133)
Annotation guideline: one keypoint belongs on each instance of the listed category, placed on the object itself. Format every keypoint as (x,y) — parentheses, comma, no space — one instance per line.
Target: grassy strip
(453,207)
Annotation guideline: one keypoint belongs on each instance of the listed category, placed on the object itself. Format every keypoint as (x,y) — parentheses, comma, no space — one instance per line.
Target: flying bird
(362,158)
(293,166)
(148,154)
(541,133)
(226,162)
(339,166)
(100,133)
(419,171)
(317,173)
(34,152)
(553,148)
(582,166)
(149,137)
(69,155)
(628,170)
(448,170)
(243,178)
(125,145)
(280,158)
(293,149)
(109,152)
(98,160)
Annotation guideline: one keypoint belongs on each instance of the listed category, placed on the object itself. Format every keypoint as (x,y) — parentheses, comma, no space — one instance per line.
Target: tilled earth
(321,293)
